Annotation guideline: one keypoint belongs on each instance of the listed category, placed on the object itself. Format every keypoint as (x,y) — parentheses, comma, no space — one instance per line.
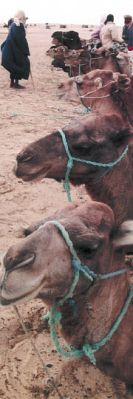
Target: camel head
(71,88)
(93,137)
(41,265)
(94,87)
(124,63)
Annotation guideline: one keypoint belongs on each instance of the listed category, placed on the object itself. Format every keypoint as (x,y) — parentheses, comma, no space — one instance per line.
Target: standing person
(15,51)
(127,33)
(109,33)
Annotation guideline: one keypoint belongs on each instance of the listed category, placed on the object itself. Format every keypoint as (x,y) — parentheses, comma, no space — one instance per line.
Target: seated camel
(57,52)
(62,43)
(86,59)
(99,158)
(75,263)
(58,55)
(99,90)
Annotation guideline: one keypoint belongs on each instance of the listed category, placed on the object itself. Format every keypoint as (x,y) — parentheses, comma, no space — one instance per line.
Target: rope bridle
(54,316)
(72,159)
(94,91)
(87,95)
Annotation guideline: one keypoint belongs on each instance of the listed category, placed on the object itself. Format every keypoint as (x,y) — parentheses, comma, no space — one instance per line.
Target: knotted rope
(87,95)
(94,91)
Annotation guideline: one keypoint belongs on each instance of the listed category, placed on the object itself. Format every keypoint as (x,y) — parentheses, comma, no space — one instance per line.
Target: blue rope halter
(54,316)
(72,159)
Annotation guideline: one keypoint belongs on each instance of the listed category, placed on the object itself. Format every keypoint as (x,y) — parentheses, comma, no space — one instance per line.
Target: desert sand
(27,115)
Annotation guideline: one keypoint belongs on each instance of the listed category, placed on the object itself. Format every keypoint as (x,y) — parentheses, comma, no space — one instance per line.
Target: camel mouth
(31,176)
(27,296)
(5,298)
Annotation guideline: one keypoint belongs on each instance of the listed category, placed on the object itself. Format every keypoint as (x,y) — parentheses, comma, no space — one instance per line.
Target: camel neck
(117,196)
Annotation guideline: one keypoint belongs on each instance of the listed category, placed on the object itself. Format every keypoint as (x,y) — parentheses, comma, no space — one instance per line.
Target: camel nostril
(18,158)
(16,171)
(8,261)
(24,157)
(27,231)
(60,86)
(12,263)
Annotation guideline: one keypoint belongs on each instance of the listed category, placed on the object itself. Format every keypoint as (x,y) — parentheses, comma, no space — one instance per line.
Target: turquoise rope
(87,272)
(87,349)
(90,349)
(55,316)
(71,160)
(75,258)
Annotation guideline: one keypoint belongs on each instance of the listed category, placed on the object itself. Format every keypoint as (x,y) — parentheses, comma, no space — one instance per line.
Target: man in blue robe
(15,51)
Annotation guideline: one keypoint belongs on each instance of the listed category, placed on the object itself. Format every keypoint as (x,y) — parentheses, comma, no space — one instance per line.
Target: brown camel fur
(41,266)
(127,98)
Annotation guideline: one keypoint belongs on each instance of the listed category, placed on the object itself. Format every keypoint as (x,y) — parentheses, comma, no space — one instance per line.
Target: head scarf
(127,19)
(20,18)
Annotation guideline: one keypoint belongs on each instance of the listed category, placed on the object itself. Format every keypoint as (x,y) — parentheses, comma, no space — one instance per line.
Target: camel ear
(123,237)
(122,137)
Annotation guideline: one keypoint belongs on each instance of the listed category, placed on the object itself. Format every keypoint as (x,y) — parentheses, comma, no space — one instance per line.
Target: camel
(93,140)
(85,59)
(99,90)
(75,263)
(62,42)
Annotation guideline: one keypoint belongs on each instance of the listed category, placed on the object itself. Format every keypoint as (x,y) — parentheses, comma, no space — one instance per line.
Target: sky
(67,11)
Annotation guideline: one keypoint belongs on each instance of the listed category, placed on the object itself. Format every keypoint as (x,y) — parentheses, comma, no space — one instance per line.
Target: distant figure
(127,33)
(62,26)
(15,51)
(109,34)
(47,25)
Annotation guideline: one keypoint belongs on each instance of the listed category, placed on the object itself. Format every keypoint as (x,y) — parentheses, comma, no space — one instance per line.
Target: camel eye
(83,148)
(89,253)
(89,250)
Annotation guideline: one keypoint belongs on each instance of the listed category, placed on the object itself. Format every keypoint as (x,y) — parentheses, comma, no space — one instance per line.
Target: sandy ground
(26,116)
